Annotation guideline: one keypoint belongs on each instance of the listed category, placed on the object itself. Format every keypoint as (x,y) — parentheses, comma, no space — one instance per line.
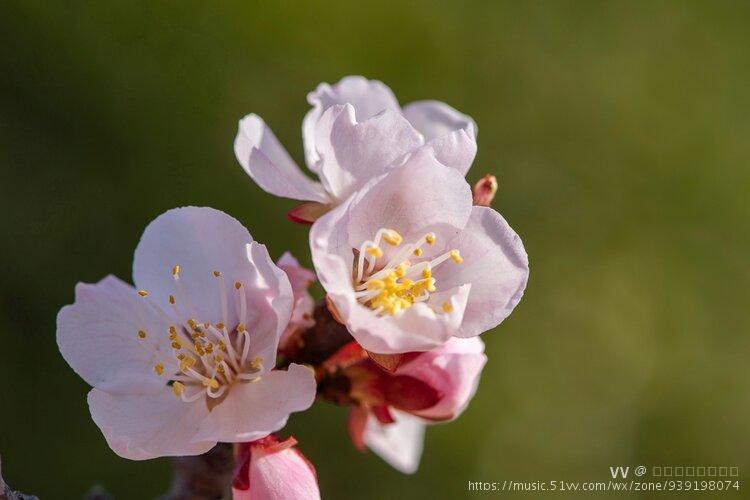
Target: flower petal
(98,337)
(496,265)
(368,97)
(449,133)
(279,474)
(454,370)
(254,410)
(201,241)
(420,196)
(352,153)
(270,166)
(143,426)
(400,443)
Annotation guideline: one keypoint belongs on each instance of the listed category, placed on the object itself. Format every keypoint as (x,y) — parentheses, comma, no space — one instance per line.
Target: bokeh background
(619,132)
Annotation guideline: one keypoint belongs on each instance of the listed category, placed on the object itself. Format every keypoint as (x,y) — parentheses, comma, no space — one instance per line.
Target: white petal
(255,409)
(450,134)
(369,97)
(143,426)
(270,166)
(201,241)
(98,337)
(351,152)
(496,265)
(420,196)
(400,443)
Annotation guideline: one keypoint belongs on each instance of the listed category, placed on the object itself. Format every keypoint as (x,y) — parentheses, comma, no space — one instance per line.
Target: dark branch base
(203,477)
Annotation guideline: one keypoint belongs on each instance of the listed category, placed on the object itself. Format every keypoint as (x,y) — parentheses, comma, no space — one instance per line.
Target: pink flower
(394,408)
(186,359)
(300,278)
(269,469)
(408,262)
(355,131)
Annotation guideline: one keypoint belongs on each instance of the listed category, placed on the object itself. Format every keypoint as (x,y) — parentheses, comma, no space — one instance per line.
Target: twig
(7,494)
(203,477)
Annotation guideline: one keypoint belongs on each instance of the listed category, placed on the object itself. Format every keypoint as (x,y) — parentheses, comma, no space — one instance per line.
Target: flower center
(205,359)
(401,282)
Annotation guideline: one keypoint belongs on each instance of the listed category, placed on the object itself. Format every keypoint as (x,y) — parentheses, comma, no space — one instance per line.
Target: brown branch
(203,477)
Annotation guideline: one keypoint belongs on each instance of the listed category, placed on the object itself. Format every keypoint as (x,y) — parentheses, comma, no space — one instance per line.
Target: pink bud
(269,469)
(484,191)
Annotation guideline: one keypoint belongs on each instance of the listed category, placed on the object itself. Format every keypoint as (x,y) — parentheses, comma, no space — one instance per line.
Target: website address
(601,486)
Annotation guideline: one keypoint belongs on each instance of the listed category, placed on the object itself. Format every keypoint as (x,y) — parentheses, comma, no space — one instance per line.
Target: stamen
(392,237)
(143,293)
(159,369)
(447,307)
(456,257)
(178,388)
(374,252)
(430,238)
(243,301)
(141,334)
(417,252)
(176,272)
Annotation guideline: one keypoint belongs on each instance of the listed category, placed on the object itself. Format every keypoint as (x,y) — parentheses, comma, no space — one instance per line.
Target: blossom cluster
(217,343)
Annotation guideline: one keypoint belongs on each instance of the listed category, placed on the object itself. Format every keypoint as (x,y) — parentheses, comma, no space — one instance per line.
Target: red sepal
(383,414)
(388,362)
(307,212)
(356,426)
(410,394)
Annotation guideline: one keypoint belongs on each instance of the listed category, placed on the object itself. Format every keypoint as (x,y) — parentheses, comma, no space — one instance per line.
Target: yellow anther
(176,345)
(256,363)
(417,252)
(456,257)
(237,285)
(401,269)
(218,358)
(196,335)
(186,363)
(206,325)
(392,237)
(209,348)
(141,334)
(159,368)
(199,349)
(430,238)
(222,345)
(171,299)
(447,307)
(192,323)
(180,356)
(210,382)
(178,388)
(426,273)
(240,328)
(217,274)
(220,326)
(143,293)
(220,369)
(374,252)
(375,284)
(176,271)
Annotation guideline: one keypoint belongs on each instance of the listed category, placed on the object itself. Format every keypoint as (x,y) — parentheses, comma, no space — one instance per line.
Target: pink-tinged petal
(270,166)
(201,241)
(278,472)
(420,196)
(144,426)
(449,133)
(307,213)
(368,97)
(255,409)
(351,152)
(453,369)
(98,337)
(300,278)
(400,443)
(496,265)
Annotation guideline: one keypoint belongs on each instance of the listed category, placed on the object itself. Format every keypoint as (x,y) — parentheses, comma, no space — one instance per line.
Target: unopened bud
(484,190)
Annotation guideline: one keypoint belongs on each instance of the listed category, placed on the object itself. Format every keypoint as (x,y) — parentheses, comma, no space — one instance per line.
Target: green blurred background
(619,132)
